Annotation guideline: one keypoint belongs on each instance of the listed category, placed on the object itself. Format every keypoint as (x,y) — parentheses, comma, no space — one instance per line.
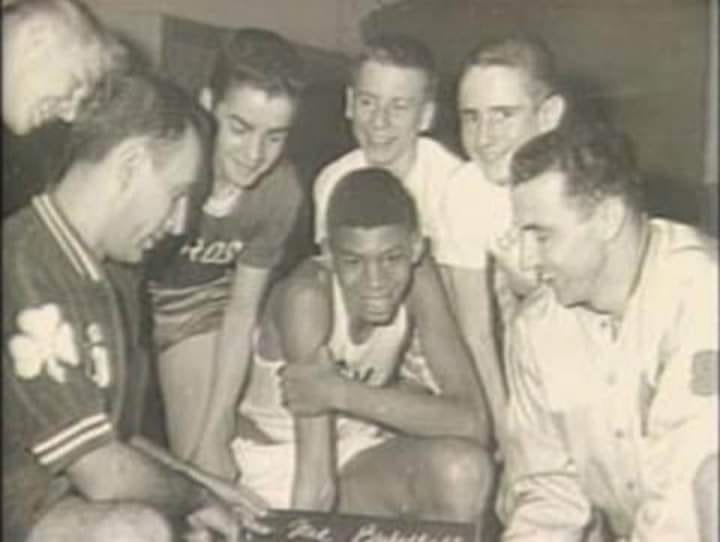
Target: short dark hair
(259,58)
(597,159)
(370,198)
(134,105)
(400,51)
(530,54)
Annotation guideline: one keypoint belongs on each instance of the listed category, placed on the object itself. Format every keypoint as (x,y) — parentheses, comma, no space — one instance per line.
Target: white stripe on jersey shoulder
(73,248)
(70,432)
(82,438)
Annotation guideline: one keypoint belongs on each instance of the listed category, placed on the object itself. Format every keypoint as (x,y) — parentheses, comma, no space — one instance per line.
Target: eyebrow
(249,125)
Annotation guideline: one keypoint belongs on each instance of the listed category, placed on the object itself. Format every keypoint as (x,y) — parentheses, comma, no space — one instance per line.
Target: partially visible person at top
(54,55)
(74,466)
(390,103)
(207,294)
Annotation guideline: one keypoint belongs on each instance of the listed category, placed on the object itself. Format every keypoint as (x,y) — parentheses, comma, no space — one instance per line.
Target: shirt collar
(67,238)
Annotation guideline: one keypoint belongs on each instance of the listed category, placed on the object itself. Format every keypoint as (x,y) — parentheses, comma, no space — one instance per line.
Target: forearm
(231,361)
(475,319)
(314,484)
(130,474)
(415,413)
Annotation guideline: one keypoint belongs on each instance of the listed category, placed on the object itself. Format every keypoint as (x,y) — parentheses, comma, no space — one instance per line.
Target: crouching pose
(366,431)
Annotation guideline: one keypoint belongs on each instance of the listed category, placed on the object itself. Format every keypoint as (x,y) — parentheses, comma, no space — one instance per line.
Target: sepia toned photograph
(360,271)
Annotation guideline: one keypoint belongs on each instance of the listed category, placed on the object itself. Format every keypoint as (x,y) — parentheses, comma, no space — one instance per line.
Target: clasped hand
(311,389)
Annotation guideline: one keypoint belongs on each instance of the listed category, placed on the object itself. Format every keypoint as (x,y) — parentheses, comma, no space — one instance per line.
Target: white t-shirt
(434,166)
(472,213)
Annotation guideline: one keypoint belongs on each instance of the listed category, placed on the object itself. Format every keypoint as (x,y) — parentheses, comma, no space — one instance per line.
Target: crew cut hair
(526,53)
(401,51)
(370,198)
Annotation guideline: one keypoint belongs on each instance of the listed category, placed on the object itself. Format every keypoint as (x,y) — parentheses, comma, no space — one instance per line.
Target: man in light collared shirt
(613,408)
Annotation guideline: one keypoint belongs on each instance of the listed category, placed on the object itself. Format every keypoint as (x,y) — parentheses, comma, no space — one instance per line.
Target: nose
(255,149)
(374,275)
(485,130)
(529,253)
(380,117)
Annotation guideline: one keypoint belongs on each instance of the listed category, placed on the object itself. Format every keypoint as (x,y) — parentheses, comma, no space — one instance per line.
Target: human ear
(427,115)
(206,99)
(611,215)
(419,245)
(349,102)
(551,112)
(129,163)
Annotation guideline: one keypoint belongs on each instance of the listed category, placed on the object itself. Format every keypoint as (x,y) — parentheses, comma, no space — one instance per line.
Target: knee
(134,523)
(465,465)
(464,478)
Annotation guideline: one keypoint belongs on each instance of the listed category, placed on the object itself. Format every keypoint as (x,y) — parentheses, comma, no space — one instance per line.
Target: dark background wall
(644,62)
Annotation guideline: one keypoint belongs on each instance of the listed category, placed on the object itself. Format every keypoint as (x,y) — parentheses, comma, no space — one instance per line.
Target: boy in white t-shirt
(507,95)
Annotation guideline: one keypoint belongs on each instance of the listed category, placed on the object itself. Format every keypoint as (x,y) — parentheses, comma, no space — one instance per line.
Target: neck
(624,264)
(81,207)
(359,331)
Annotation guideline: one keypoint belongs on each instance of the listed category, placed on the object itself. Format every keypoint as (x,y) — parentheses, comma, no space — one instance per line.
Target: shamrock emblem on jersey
(46,343)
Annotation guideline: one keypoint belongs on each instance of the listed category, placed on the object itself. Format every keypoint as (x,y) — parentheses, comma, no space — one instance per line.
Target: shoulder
(279,193)
(282,179)
(337,168)
(684,255)
(683,242)
(27,247)
(438,152)
(307,289)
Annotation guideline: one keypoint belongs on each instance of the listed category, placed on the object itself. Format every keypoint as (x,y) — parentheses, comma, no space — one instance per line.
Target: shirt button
(630,486)
(619,433)
(611,380)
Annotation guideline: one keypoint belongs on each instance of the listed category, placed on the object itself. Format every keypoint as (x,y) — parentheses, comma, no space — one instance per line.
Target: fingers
(228,522)
(252,502)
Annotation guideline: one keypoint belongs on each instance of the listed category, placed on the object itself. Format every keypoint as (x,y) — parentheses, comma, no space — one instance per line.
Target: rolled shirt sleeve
(683,415)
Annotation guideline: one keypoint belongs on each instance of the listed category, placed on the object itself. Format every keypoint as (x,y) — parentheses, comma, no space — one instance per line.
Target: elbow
(475,425)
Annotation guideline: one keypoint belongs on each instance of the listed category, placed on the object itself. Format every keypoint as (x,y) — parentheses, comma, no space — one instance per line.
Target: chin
(379,316)
(378,319)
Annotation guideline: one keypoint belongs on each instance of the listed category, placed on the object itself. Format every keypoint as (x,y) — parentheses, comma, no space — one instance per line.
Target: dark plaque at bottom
(302,526)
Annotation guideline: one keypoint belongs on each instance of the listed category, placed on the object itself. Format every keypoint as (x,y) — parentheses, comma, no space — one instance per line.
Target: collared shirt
(616,416)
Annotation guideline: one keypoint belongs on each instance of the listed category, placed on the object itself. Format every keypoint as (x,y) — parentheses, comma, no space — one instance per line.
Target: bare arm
(459,409)
(118,471)
(448,356)
(302,339)
(231,362)
(472,302)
